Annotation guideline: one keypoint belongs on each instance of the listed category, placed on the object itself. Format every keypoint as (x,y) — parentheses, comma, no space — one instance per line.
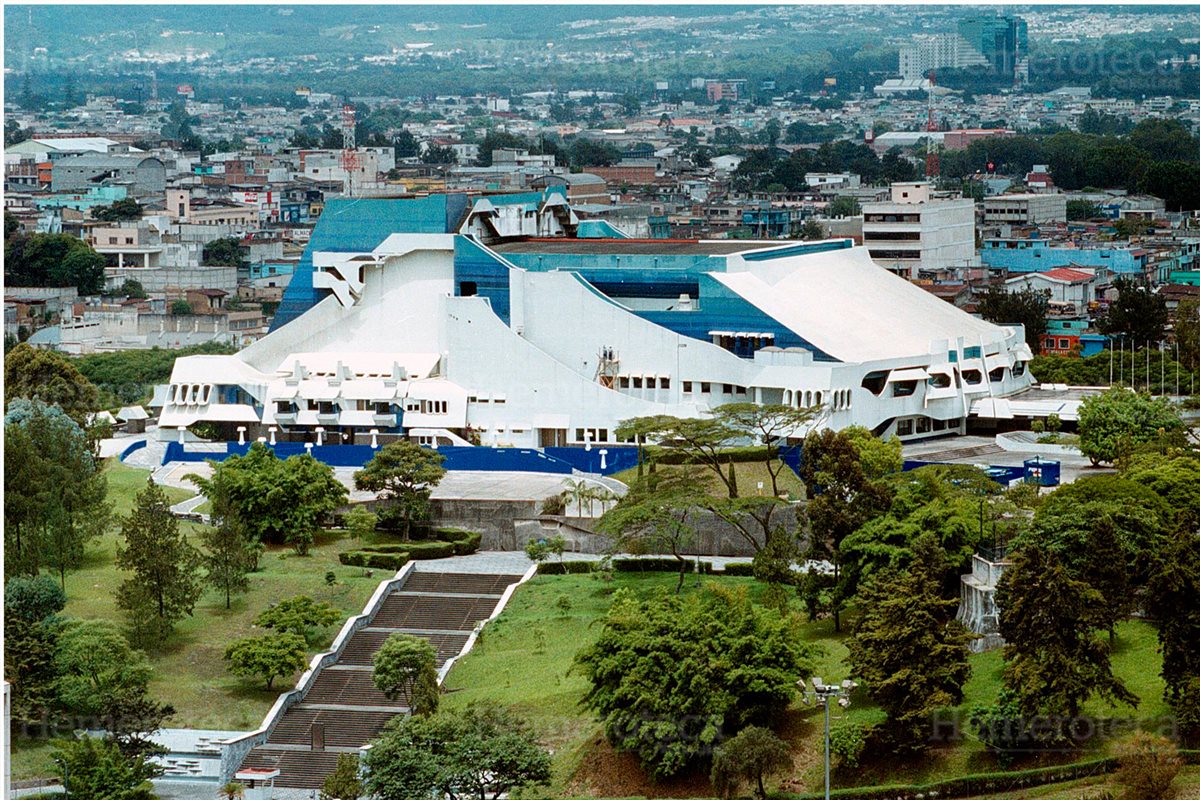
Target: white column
(241,434)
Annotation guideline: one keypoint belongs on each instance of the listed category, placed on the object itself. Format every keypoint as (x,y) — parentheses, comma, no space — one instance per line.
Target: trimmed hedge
(468,544)
(363,558)
(422,551)
(971,785)
(454,534)
(739,568)
(567,567)
(659,565)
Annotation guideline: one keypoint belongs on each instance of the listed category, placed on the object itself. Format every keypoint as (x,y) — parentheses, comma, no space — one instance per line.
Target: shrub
(464,547)
(740,569)
(554,505)
(454,534)
(1149,765)
(422,551)
(848,742)
(567,567)
(363,558)
(658,565)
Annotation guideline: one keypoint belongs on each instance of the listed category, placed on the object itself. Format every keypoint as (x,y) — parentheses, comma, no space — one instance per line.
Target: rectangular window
(904,427)
(637,383)
(624,382)
(705,388)
(603,434)
(651,383)
(579,435)
(467,288)
(687,387)
(664,383)
(740,389)
(727,388)
(1064,344)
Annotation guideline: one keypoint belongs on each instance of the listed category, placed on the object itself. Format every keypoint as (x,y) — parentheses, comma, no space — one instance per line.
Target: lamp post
(66,775)
(821,693)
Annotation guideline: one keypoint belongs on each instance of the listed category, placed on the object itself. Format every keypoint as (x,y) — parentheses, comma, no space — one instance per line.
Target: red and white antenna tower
(932,167)
(349,152)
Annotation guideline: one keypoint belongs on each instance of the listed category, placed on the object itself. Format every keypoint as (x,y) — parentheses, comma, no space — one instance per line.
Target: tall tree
(405,667)
(166,582)
(1187,332)
(1173,599)
(343,782)
(228,553)
(908,649)
(300,615)
(657,515)
(96,769)
(841,500)
(404,474)
(1054,659)
(54,490)
(1137,315)
(1028,307)
(50,377)
(31,606)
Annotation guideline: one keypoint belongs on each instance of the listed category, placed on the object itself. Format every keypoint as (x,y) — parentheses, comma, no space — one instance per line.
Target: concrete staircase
(342,710)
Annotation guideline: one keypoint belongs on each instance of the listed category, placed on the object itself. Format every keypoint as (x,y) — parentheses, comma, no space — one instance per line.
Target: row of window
(427,406)
(891,218)
(706,388)
(647,382)
(597,435)
(907,427)
(331,407)
(895,254)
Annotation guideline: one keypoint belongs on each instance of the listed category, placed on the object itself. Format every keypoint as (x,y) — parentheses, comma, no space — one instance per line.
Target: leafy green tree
(181,308)
(52,259)
(50,377)
(228,553)
(1067,519)
(404,474)
(751,756)
(96,769)
(438,154)
(300,615)
(1175,477)
(743,664)
(841,500)
(405,145)
(55,491)
(225,252)
(1118,420)
(405,667)
(1173,599)
(843,206)
(586,153)
(1186,331)
(1027,307)
(276,655)
(119,211)
(102,683)
(1165,139)
(343,783)
(1137,315)
(811,231)
(907,648)
(1054,660)
(278,500)
(498,140)
(483,751)
(361,522)
(657,515)
(133,289)
(31,630)
(166,582)
(82,268)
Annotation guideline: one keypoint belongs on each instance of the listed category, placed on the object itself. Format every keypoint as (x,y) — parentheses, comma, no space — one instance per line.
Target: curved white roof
(853,309)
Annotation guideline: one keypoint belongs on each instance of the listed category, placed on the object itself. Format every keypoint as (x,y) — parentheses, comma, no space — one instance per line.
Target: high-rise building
(936,52)
(1002,40)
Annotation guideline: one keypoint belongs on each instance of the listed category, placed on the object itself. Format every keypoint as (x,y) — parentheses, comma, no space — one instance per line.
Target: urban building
(1025,209)
(919,229)
(1071,292)
(443,317)
(143,175)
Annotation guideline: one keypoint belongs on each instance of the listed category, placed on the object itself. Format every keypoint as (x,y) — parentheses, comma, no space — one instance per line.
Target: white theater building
(482,334)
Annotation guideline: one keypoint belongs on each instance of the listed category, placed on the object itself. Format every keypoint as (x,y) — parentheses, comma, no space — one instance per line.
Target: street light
(821,693)
(66,775)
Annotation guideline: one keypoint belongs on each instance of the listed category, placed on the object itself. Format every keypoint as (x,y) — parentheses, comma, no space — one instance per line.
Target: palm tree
(232,791)
(577,492)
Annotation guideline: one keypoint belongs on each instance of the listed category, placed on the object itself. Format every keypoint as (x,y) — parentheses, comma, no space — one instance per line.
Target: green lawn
(524,659)
(189,670)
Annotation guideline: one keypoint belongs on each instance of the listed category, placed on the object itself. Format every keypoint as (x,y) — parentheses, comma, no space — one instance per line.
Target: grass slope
(523,660)
(189,669)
